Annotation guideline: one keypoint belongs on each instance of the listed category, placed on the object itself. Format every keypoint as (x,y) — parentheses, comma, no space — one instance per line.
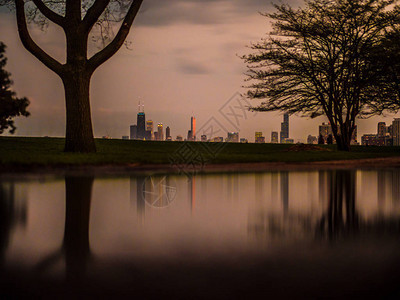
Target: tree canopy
(10,105)
(81,21)
(315,61)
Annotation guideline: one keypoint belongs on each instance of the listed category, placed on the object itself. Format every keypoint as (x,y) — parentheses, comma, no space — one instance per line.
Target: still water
(329,234)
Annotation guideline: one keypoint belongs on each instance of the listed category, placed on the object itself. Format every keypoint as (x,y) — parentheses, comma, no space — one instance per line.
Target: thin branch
(48,13)
(30,45)
(102,56)
(94,12)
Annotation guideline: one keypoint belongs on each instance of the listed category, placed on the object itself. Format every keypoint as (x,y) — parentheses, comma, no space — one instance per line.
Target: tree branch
(30,45)
(48,13)
(94,12)
(102,56)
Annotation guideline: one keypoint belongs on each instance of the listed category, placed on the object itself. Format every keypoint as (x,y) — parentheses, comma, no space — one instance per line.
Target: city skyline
(181,69)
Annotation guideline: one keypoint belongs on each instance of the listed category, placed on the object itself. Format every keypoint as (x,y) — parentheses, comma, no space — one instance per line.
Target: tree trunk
(343,144)
(79,132)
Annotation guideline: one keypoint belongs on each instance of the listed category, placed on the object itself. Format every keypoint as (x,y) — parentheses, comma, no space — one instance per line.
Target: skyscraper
(381,129)
(193,128)
(149,128)
(133,132)
(396,132)
(285,128)
(259,138)
(274,137)
(141,123)
(168,133)
(160,134)
(233,137)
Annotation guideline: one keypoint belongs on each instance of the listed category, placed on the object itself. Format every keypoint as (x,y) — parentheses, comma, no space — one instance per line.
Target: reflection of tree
(10,216)
(75,248)
(338,192)
(341,217)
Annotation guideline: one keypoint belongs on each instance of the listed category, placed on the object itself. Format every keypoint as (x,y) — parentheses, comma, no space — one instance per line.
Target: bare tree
(314,61)
(78,19)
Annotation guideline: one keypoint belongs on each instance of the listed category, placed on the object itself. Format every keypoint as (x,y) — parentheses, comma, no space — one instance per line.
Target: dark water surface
(326,234)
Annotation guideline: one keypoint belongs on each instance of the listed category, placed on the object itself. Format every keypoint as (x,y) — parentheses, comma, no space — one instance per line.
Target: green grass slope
(49,151)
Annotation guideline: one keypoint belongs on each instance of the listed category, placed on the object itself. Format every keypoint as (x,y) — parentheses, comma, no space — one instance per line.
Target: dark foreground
(297,274)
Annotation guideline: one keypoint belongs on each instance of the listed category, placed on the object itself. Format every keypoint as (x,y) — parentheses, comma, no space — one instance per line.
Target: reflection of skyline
(220,227)
(136,196)
(155,191)
(337,193)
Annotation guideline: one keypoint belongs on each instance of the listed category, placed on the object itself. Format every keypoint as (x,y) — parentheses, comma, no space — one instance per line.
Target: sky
(183,60)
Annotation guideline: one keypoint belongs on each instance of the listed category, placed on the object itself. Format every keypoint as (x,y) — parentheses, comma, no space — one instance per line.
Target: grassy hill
(49,151)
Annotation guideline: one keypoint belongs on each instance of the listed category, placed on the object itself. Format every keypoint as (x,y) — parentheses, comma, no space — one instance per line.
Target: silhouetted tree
(321,139)
(314,61)
(10,105)
(385,59)
(77,18)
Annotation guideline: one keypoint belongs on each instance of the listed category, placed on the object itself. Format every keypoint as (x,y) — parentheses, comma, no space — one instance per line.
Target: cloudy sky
(183,60)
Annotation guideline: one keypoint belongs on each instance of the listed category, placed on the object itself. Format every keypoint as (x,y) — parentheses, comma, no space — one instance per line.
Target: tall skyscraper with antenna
(141,123)
(193,128)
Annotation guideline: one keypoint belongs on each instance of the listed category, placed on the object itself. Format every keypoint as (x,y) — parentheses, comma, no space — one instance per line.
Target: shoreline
(154,169)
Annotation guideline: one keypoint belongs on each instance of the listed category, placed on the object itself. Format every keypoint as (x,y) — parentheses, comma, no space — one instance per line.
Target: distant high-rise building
(381,129)
(148,136)
(141,123)
(274,137)
(259,138)
(372,140)
(168,133)
(233,137)
(179,138)
(193,127)
(133,132)
(150,127)
(190,135)
(396,132)
(160,132)
(217,139)
(204,138)
(285,128)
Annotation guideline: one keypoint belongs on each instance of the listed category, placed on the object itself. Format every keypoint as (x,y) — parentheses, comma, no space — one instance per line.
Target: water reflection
(12,214)
(341,217)
(200,219)
(75,249)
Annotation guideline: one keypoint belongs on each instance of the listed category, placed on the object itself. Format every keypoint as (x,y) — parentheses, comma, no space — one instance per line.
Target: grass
(27,151)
